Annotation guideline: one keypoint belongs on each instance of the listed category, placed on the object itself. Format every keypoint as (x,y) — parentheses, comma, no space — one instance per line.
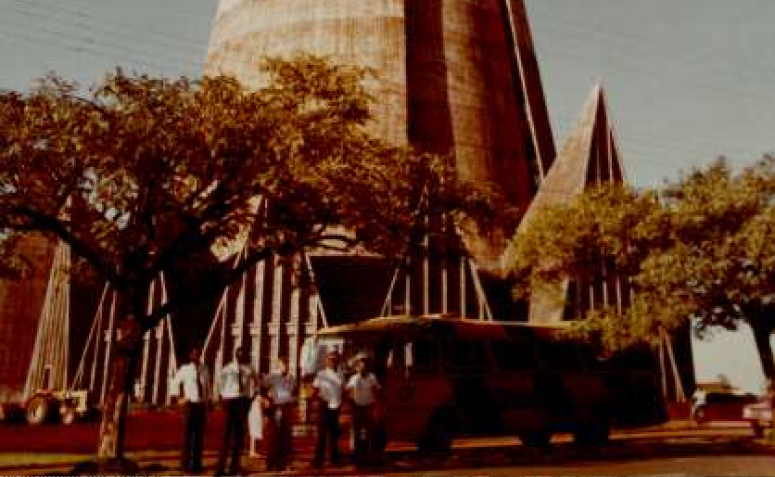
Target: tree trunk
(762,331)
(122,366)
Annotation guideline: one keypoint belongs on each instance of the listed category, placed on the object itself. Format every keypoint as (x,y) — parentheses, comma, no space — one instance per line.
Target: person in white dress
(256,424)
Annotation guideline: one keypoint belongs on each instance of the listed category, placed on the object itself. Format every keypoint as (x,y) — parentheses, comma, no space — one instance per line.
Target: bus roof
(441,325)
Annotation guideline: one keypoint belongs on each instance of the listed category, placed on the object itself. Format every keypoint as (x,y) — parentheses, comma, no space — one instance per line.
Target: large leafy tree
(142,174)
(702,249)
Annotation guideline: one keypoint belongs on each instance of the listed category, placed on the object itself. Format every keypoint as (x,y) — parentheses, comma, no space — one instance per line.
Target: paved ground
(57,448)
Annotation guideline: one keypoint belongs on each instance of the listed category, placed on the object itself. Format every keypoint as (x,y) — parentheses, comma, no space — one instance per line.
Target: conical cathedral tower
(589,157)
(452,77)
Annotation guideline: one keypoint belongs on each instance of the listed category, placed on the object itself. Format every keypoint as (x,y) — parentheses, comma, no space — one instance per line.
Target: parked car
(759,414)
(724,405)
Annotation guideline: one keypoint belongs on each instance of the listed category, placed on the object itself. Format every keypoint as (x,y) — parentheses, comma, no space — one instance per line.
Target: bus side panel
(517,400)
(636,398)
(411,401)
(589,397)
(475,405)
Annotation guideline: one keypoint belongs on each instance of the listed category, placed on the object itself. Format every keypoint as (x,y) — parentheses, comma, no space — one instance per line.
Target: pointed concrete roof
(589,156)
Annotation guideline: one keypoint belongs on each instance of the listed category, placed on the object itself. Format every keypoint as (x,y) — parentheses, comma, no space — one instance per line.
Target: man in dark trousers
(327,389)
(364,391)
(191,384)
(280,389)
(239,383)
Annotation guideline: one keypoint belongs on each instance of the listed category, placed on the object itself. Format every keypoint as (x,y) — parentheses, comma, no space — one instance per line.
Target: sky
(686,80)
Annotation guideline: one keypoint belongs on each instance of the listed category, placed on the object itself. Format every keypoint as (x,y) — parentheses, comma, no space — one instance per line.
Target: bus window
(313,353)
(466,356)
(382,357)
(514,355)
(419,356)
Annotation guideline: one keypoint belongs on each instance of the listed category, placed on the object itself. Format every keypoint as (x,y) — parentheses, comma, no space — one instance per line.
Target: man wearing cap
(327,389)
(364,391)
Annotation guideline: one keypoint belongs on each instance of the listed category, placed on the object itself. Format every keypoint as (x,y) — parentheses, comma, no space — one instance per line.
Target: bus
(446,377)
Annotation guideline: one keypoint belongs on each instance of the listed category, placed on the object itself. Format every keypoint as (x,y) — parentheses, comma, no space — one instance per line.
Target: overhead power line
(139,33)
(21,36)
(85,34)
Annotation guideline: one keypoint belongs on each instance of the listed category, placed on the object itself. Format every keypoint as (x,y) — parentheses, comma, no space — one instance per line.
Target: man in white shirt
(280,395)
(327,388)
(191,384)
(364,391)
(239,382)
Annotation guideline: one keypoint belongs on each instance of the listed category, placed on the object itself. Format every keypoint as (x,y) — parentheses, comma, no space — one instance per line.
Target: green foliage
(606,223)
(701,248)
(144,173)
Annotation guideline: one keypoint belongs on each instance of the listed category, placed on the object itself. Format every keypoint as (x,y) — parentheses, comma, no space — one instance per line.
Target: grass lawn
(26,459)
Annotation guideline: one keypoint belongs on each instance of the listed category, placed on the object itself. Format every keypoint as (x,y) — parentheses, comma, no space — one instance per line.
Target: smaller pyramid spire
(589,156)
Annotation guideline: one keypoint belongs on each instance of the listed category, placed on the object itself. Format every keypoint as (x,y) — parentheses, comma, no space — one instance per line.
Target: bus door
(414,387)
(468,366)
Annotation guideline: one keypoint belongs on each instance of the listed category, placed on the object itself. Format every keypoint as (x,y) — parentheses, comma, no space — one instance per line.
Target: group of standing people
(240,387)
(273,399)
(364,392)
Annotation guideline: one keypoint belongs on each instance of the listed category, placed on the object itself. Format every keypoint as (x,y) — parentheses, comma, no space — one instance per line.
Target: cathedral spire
(589,156)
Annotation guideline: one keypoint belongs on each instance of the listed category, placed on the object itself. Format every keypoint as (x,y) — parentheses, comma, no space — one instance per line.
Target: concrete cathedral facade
(451,77)
(456,77)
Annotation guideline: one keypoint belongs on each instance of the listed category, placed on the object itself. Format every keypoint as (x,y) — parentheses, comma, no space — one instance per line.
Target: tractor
(65,406)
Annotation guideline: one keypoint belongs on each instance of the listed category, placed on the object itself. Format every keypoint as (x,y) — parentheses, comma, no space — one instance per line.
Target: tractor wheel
(39,409)
(67,414)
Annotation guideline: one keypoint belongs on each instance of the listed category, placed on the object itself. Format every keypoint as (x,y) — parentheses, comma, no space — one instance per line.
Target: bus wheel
(39,409)
(537,438)
(437,438)
(592,433)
